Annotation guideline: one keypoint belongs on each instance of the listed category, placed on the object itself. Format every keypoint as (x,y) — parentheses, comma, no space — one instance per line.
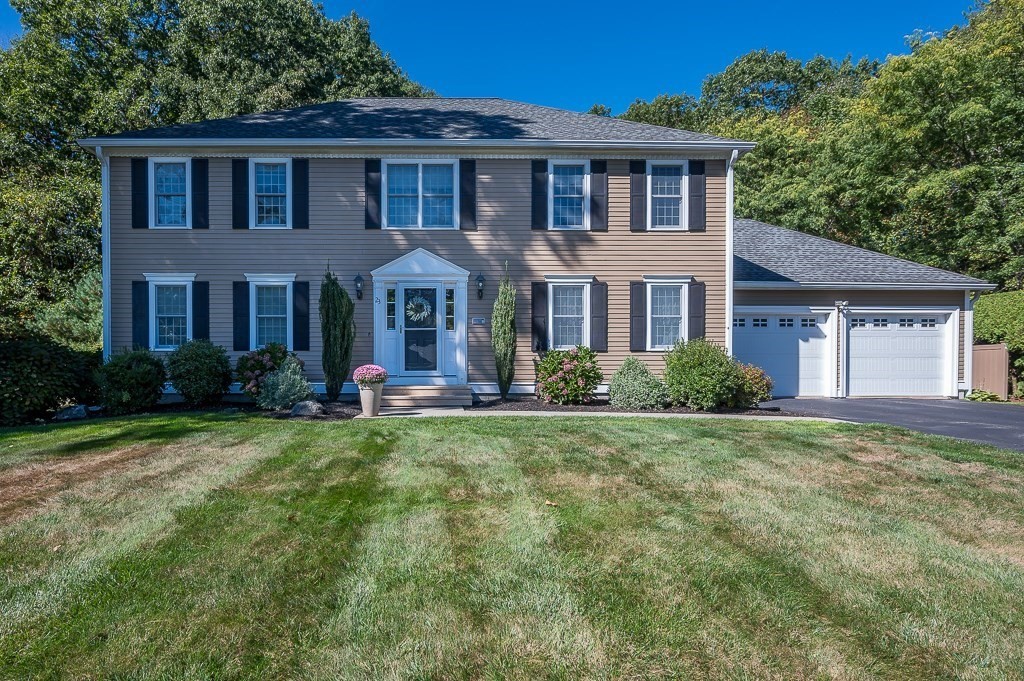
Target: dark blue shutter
(599,316)
(240,315)
(140,193)
(638,196)
(372,184)
(467,195)
(300,193)
(240,193)
(539,195)
(200,193)
(140,314)
(539,305)
(599,196)
(637,316)
(698,197)
(300,315)
(698,294)
(201,310)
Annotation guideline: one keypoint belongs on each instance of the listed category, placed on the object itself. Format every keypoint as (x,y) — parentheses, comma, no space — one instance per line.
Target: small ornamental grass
(200,372)
(370,374)
(568,376)
(286,387)
(634,386)
(253,367)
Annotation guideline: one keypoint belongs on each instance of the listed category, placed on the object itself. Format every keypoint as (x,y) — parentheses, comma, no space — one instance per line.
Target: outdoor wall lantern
(480,281)
(358,281)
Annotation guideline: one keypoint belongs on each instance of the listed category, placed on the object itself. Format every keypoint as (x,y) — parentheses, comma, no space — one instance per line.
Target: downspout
(105,246)
(729,228)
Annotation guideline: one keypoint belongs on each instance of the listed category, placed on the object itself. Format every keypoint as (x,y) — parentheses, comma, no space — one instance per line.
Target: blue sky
(572,55)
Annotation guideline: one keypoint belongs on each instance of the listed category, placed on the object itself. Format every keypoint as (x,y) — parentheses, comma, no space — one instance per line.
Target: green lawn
(235,546)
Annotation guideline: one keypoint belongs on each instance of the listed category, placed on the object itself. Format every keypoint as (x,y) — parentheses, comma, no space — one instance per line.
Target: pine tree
(337,326)
(503,333)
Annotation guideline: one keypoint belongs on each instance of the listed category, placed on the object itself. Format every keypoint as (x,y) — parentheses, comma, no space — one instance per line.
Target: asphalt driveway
(1001,425)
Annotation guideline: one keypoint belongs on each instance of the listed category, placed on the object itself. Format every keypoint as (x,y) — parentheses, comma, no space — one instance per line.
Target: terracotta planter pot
(369,398)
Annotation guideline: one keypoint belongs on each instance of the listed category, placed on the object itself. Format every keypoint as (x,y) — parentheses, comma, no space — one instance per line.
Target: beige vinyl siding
(828,298)
(222,255)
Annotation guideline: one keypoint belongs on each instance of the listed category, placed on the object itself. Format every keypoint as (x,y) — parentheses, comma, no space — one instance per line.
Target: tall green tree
(87,67)
(503,333)
(338,331)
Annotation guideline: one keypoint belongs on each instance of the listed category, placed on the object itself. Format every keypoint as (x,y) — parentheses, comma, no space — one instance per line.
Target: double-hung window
(569,194)
(667,187)
(170,201)
(569,312)
(667,299)
(270,309)
(270,201)
(421,195)
(170,310)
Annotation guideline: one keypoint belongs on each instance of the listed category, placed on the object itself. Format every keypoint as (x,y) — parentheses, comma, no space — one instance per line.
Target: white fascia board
(723,146)
(905,286)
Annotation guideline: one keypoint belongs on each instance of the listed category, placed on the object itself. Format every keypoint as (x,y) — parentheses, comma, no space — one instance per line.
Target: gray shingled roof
(770,254)
(427,119)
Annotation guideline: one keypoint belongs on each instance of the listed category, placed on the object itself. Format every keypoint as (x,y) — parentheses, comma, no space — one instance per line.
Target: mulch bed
(601,404)
(333,411)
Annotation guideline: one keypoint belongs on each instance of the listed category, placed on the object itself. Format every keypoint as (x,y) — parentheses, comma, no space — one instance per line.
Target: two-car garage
(826,319)
(814,352)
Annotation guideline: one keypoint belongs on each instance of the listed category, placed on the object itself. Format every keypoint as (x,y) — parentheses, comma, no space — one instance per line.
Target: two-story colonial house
(618,235)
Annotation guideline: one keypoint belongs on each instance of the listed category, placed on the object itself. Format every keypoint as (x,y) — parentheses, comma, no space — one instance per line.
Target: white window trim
(684,203)
(287,190)
(420,162)
(153,161)
(155,280)
(554,280)
(586,194)
(683,282)
(270,280)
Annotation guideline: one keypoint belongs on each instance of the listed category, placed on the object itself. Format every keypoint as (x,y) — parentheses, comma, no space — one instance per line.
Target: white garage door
(898,355)
(792,348)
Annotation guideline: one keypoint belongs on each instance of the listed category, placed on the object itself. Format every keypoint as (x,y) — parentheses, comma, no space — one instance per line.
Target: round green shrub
(131,382)
(283,388)
(37,374)
(253,367)
(199,371)
(701,375)
(755,386)
(568,376)
(634,386)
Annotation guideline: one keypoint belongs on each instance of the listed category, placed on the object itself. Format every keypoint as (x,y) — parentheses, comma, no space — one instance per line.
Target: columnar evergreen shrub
(285,387)
(37,375)
(338,329)
(568,376)
(131,382)
(701,375)
(755,386)
(199,371)
(634,386)
(253,367)
(503,334)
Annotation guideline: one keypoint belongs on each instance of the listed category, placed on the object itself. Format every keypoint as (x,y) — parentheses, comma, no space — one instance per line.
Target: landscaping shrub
(253,367)
(130,382)
(37,375)
(634,386)
(983,396)
(701,375)
(200,371)
(999,318)
(338,329)
(755,386)
(503,334)
(283,388)
(568,376)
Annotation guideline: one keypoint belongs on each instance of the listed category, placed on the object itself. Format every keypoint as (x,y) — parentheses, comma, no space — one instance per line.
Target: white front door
(420,320)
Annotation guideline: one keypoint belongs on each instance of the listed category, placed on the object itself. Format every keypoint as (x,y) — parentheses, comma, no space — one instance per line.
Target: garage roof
(767,256)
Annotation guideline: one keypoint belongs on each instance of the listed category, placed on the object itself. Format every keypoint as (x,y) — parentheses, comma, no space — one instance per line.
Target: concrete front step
(426,396)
